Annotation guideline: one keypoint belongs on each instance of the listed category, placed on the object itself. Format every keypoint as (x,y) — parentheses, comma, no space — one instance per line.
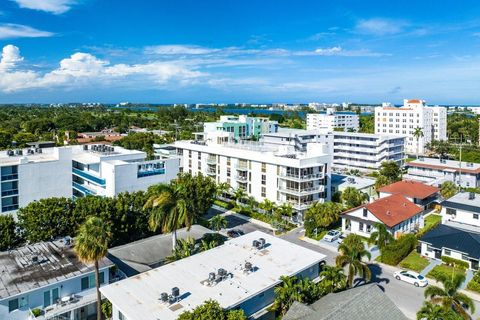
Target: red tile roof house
(396,212)
(419,193)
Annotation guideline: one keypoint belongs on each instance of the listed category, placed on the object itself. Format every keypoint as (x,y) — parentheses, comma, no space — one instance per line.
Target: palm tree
(285,294)
(449,297)
(333,279)
(418,133)
(381,237)
(284,210)
(325,213)
(430,311)
(448,189)
(352,251)
(218,222)
(223,188)
(169,210)
(267,206)
(91,246)
(207,245)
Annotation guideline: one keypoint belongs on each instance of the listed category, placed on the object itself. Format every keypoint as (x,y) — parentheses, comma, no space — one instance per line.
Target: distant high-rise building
(405,119)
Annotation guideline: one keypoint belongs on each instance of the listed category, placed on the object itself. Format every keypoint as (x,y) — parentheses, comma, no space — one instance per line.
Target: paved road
(237,223)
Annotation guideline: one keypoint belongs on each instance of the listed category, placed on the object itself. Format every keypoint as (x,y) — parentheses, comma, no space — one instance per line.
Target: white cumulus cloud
(11,30)
(52,6)
(380,27)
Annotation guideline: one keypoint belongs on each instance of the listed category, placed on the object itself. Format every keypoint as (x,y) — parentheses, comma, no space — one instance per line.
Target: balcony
(211,172)
(10,207)
(89,177)
(8,177)
(212,160)
(241,178)
(81,188)
(242,166)
(150,172)
(305,177)
(300,206)
(69,304)
(303,191)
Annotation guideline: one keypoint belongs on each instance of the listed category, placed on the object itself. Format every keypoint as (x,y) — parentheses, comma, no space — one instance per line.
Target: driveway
(236,223)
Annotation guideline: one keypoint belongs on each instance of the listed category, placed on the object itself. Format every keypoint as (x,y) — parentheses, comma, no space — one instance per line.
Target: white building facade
(463,208)
(277,173)
(404,120)
(36,173)
(332,120)
(242,127)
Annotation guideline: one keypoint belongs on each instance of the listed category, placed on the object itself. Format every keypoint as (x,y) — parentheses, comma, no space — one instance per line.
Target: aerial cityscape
(234,160)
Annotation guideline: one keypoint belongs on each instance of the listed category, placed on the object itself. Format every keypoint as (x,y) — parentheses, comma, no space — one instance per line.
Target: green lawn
(410,159)
(414,261)
(432,219)
(445,271)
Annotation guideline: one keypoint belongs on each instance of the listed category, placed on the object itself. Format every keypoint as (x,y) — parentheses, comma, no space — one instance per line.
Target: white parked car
(332,235)
(411,277)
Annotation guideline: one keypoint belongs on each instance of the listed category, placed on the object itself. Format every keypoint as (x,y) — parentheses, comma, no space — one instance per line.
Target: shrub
(223,204)
(36,312)
(443,271)
(455,262)
(397,250)
(474,284)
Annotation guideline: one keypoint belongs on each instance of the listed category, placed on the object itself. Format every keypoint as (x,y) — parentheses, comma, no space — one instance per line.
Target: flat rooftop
(138,297)
(38,265)
(435,163)
(462,201)
(343,181)
(46,154)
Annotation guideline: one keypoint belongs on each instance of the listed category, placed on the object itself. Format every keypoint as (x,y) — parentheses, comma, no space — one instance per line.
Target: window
(369,228)
(475,216)
(465,257)
(264,179)
(429,249)
(89,281)
(451,211)
(50,297)
(228,172)
(365,212)
(12,305)
(447,252)
(264,167)
(264,192)
(121,316)
(228,161)
(360,226)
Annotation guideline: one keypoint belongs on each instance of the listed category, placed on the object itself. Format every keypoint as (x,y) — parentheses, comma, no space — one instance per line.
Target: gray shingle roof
(455,239)
(366,302)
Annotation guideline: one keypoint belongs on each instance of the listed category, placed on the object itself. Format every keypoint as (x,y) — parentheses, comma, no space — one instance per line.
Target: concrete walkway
(433,263)
(468,277)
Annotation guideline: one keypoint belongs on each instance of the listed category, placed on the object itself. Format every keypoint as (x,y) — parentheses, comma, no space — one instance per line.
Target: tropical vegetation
(211,310)
(352,254)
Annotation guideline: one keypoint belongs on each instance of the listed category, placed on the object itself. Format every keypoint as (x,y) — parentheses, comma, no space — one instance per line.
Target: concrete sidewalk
(433,263)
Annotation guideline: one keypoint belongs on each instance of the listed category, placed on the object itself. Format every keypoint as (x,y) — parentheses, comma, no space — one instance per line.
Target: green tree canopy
(211,310)
(353,197)
(448,189)
(8,234)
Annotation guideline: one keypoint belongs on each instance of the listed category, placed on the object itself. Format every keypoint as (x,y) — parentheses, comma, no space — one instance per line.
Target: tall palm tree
(351,255)
(449,297)
(223,188)
(240,194)
(91,246)
(325,213)
(417,134)
(169,210)
(333,279)
(284,210)
(430,311)
(381,237)
(218,222)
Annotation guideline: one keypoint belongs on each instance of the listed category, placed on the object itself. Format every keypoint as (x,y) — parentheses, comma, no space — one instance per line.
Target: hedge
(474,284)
(455,262)
(397,250)
(223,204)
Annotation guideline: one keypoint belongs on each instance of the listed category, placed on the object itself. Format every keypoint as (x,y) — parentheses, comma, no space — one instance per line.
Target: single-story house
(364,184)
(464,207)
(451,241)
(419,193)
(396,212)
(367,302)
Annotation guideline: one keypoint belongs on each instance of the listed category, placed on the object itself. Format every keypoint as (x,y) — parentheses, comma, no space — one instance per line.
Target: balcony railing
(150,172)
(241,178)
(305,177)
(302,191)
(212,160)
(211,172)
(81,188)
(241,167)
(69,304)
(88,176)
(10,207)
(301,205)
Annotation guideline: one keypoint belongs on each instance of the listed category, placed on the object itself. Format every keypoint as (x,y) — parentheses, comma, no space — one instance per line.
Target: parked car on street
(341,237)
(332,235)
(235,233)
(411,277)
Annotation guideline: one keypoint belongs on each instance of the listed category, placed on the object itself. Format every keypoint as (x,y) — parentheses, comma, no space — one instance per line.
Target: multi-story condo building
(107,171)
(240,274)
(277,173)
(436,171)
(331,120)
(365,151)
(362,151)
(242,127)
(47,276)
(404,120)
(36,173)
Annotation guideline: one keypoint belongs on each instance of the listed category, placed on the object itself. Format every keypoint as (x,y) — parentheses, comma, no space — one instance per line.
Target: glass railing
(83,189)
(13,176)
(9,192)
(151,172)
(10,207)
(88,176)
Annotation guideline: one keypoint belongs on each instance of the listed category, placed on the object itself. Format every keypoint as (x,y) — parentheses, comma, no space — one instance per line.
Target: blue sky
(239,51)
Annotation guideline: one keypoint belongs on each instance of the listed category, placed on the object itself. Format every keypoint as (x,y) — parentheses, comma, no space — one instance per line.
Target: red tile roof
(414,101)
(411,189)
(391,210)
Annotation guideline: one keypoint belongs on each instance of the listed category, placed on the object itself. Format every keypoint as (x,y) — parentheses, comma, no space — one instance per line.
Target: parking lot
(236,223)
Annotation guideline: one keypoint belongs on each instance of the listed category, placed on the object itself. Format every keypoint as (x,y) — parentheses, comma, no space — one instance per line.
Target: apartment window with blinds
(264,192)
(264,167)
(264,179)
(228,161)
(228,172)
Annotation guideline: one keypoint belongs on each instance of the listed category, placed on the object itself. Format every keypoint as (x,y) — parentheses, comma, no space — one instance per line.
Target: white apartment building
(242,127)
(365,151)
(35,173)
(277,173)
(463,208)
(332,120)
(349,150)
(404,120)
(240,274)
(436,171)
